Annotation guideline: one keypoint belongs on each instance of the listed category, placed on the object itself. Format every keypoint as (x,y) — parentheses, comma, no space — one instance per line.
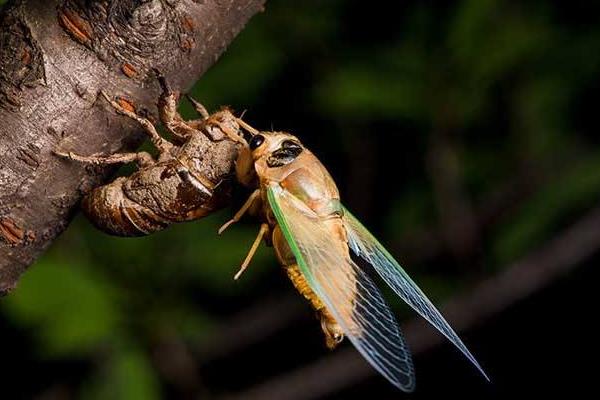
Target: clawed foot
(93,159)
(240,272)
(200,109)
(226,225)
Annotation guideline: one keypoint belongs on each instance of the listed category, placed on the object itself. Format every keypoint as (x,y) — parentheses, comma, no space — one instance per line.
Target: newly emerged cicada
(319,242)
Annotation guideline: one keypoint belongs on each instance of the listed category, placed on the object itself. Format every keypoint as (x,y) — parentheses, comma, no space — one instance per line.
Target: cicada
(322,247)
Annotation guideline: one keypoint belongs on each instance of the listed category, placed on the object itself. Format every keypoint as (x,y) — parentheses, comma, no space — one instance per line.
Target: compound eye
(290,144)
(256,141)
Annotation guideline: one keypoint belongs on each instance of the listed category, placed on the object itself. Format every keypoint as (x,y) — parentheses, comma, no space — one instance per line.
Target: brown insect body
(176,187)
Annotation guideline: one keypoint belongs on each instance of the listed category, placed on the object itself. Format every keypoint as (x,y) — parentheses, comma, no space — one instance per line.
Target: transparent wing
(348,293)
(364,245)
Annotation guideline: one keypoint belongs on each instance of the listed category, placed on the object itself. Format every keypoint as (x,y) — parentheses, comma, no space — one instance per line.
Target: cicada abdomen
(150,200)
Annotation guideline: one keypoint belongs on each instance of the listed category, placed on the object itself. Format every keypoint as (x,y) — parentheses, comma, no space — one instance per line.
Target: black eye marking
(290,144)
(256,141)
(287,152)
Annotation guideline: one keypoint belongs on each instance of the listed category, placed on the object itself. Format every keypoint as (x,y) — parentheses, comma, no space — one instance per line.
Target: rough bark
(55,56)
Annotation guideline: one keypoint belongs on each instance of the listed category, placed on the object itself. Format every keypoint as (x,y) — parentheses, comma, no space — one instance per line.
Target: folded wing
(364,245)
(346,290)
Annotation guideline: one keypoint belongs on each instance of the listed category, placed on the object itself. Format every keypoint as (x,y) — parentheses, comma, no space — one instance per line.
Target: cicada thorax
(305,178)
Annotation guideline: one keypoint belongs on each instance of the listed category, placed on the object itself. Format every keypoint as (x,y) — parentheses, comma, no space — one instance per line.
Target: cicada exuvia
(317,240)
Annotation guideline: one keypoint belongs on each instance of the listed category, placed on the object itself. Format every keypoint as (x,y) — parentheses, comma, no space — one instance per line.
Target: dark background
(464,134)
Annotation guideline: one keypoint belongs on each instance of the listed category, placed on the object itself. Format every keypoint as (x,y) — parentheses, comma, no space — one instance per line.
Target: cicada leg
(234,136)
(142,159)
(159,142)
(167,110)
(200,109)
(264,230)
(238,215)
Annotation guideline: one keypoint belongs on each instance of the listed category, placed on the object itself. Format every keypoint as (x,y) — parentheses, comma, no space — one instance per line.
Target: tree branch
(55,56)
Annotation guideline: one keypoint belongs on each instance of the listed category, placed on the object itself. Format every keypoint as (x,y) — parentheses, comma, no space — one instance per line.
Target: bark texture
(55,56)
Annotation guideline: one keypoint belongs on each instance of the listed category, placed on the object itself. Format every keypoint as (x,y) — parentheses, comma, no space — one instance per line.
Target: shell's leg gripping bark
(162,144)
(142,158)
(199,107)
(167,111)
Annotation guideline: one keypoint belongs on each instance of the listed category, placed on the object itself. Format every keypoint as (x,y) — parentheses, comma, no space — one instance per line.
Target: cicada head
(266,151)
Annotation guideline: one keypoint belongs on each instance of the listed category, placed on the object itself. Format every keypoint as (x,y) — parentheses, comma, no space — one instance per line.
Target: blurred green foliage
(505,91)
(69,317)
(127,375)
